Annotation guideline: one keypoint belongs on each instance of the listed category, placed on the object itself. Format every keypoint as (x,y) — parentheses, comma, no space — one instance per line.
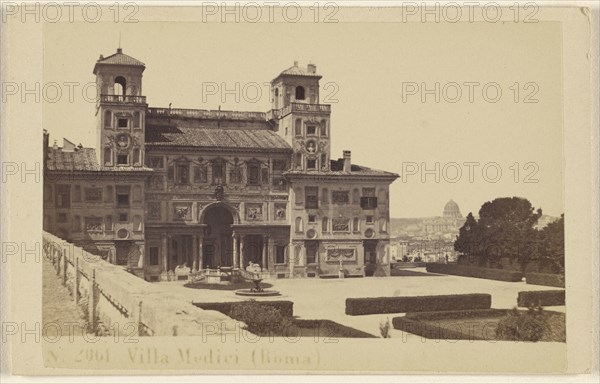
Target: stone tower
(300,119)
(120,111)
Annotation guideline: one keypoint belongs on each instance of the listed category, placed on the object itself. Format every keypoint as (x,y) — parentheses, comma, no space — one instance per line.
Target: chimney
(119,50)
(347,162)
(295,63)
(101,57)
(311,68)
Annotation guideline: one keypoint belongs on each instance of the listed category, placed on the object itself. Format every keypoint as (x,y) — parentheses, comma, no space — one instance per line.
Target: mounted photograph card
(265,189)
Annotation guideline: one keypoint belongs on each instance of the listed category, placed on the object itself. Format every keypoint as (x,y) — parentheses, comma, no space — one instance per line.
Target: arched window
(356,224)
(120,86)
(136,120)
(298,127)
(382,224)
(299,225)
(300,93)
(107,119)
(325,225)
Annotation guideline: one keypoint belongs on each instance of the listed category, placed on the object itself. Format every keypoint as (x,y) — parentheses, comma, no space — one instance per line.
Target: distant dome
(451,210)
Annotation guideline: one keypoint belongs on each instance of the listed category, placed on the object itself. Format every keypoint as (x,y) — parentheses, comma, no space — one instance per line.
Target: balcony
(207,114)
(126,99)
(301,107)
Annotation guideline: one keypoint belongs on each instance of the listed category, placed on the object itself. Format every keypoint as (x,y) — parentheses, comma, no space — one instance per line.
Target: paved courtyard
(325,298)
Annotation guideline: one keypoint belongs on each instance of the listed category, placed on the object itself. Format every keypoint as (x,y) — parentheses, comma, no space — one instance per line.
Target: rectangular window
(312,218)
(61,218)
(122,123)
(63,196)
(311,164)
(311,197)
(368,202)
(218,171)
(122,160)
(183,174)
(369,219)
(122,217)
(311,252)
(280,254)
(253,174)
(311,130)
(123,196)
(153,256)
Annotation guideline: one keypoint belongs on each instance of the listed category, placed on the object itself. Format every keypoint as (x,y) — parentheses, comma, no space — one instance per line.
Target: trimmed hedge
(469,271)
(453,315)
(286,308)
(403,304)
(542,298)
(432,330)
(546,279)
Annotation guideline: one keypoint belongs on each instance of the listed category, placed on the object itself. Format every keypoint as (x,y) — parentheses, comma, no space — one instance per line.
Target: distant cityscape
(431,239)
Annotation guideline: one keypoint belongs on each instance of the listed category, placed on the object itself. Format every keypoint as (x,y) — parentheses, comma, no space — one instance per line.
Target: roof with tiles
(82,159)
(296,70)
(214,134)
(119,58)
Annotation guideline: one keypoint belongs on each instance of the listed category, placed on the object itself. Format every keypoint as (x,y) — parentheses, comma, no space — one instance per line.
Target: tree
(552,249)
(467,239)
(505,229)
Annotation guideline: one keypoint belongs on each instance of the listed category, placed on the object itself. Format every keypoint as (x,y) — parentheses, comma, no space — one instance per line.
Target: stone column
(163,255)
(169,246)
(236,261)
(141,260)
(292,259)
(264,252)
(200,250)
(194,253)
(271,254)
(242,251)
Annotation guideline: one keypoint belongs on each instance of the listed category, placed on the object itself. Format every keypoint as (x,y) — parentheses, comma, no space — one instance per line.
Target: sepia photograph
(292,189)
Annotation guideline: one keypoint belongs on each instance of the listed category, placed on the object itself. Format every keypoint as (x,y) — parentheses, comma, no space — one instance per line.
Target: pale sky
(367,65)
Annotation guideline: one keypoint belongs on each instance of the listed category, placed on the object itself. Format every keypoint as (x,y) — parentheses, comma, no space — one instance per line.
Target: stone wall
(114,300)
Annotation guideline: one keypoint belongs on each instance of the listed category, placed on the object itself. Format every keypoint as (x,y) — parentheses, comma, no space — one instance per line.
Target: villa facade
(167,191)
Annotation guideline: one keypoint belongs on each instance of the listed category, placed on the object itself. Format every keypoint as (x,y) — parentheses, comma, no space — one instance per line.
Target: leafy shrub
(549,280)
(286,308)
(541,298)
(470,271)
(523,326)
(403,304)
(260,318)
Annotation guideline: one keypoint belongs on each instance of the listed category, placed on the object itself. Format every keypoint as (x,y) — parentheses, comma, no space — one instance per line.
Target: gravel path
(60,315)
